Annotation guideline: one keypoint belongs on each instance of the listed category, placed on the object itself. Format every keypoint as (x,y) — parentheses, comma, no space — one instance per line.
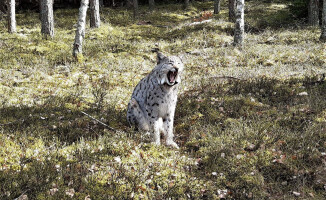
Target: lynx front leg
(168,129)
(157,127)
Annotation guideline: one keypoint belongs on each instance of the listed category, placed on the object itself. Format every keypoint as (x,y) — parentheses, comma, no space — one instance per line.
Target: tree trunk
(323,27)
(217,6)
(95,20)
(313,13)
(11,16)
(186,3)
(239,24)
(47,18)
(80,32)
(135,6)
(151,4)
(3,6)
(232,7)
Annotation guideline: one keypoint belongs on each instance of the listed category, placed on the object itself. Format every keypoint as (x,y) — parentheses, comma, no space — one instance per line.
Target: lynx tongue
(172,76)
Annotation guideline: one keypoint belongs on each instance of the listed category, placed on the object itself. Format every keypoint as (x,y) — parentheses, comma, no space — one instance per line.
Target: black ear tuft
(160,57)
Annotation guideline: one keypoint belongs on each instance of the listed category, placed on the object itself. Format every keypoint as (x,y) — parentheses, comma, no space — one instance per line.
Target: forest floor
(250,122)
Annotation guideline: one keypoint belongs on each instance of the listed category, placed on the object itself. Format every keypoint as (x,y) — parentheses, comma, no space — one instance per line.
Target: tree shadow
(55,120)
(214,120)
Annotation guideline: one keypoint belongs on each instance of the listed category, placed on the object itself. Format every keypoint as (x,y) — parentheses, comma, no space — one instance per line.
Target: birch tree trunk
(11,16)
(47,18)
(95,20)
(151,4)
(80,32)
(135,6)
(217,6)
(313,13)
(323,26)
(186,3)
(239,24)
(232,7)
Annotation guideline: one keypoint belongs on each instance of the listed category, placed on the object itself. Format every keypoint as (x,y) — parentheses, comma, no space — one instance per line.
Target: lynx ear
(182,57)
(160,57)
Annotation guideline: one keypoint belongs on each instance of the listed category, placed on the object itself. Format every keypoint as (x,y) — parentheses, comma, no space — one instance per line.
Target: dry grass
(262,136)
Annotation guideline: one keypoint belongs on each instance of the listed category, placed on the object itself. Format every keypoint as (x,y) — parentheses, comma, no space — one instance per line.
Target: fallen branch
(7,123)
(109,127)
(21,195)
(228,77)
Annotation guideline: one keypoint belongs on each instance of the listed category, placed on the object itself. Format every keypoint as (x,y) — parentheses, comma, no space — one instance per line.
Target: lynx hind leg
(138,114)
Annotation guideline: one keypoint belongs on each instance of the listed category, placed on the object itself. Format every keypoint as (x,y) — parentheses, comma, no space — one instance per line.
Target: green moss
(249,137)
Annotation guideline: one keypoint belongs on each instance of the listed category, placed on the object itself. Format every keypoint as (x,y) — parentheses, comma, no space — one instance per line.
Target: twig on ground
(109,127)
(227,77)
(6,124)
(21,195)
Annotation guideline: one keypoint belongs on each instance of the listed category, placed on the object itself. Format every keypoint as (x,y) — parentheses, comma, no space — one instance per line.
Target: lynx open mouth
(172,76)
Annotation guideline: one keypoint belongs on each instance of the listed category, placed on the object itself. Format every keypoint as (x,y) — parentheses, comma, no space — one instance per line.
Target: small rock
(251,147)
(296,193)
(303,94)
(117,159)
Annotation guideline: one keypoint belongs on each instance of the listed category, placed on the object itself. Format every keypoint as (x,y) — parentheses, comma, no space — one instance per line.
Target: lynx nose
(174,69)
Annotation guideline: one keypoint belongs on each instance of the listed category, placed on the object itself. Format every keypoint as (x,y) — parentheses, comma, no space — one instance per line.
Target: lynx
(154,99)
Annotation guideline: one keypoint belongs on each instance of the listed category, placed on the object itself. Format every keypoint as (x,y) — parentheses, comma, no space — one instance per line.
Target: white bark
(95,20)
(323,26)
(239,24)
(80,32)
(217,6)
(135,6)
(47,18)
(313,13)
(11,16)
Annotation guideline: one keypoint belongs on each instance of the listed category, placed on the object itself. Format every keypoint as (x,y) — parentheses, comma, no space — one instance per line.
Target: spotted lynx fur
(154,99)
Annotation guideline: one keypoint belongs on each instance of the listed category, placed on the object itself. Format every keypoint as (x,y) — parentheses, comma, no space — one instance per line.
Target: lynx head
(169,69)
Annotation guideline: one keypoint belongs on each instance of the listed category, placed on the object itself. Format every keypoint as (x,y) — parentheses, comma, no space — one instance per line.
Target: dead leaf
(53,191)
(70,192)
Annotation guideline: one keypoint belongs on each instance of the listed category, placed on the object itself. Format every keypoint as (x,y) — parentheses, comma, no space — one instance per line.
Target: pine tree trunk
(135,6)
(232,7)
(80,32)
(239,24)
(95,20)
(217,6)
(151,4)
(323,27)
(186,3)
(313,13)
(3,6)
(11,16)
(47,18)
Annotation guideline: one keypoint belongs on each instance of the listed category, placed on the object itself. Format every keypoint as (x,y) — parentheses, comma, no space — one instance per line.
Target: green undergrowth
(250,121)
